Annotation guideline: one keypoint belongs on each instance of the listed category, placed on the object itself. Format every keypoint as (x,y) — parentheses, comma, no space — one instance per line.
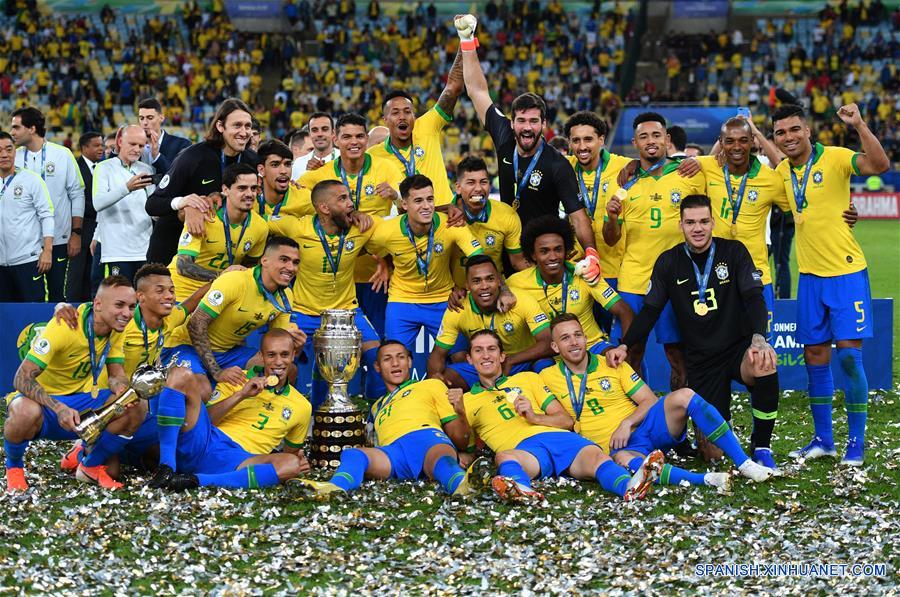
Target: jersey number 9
(655,217)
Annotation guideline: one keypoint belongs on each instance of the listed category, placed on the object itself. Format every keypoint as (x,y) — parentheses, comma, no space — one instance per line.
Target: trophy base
(337,425)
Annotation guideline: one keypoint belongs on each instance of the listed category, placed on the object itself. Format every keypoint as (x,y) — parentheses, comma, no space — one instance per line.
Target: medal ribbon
(387,399)
(359,180)
(143,325)
(422,264)
(223,160)
(43,160)
(577,399)
(800,189)
(333,261)
(227,225)
(735,202)
(408,165)
(631,182)
(590,201)
(261,201)
(471,218)
(702,280)
(565,292)
(8,182)
(520,183)
(284,306)
(96,364)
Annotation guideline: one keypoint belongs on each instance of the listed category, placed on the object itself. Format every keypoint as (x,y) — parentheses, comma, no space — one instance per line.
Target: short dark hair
(297,137)
(394,94)
(560,144)
(32,117)
(391,342)
(678,136)
(414,183)
(86,138)
(485,332)
(479,259)
(586,118)
(647,117)
(150,269)
(694,146)
(321,187)
(563,318)
(114,282)
(273,147)
(470,163)
(351,118)
(527,101)
(695,201)
(784,111)
(280,241)
(230,176)
(319,115)
(547,224)
(735,122)
(150,103)
(254,123)
(232,104)
(111,136)
(4,135)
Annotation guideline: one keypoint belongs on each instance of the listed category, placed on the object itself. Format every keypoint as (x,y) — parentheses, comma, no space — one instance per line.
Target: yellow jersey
(317,287)
(607,398)
(239,304)
(210,253)
(409,283)
(412,406)
(259,423)
(764,188)
(612,164)
(64,356)
(424,155)
(516,328)
(265,211)
(650,216)
(500,231)
(493,418)
(144,345)
(573,295)
(825,244)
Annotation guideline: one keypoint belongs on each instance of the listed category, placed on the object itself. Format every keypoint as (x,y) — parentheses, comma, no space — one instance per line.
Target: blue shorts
(206,449)
(143,439)
(555,450)
(834,308)
(407,452)
(596,349)
(82,401)
(468,373)
(190,359)
(404,320)
(666,327)
(310,323)
(653,433)
(372,304)
(769,297)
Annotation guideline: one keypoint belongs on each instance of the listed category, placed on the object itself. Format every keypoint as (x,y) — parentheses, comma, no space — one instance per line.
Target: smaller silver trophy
(338,423)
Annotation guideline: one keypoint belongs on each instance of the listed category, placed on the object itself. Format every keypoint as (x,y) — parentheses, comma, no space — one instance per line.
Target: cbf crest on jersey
(818,177)
(675,198)
(17,191)
(490,240)
(605,385)
(508,327)
(349,245)
(286,413)
(247,246)
(722,271)
(535,178)
(50,168)
(574,295)
(370,189)
(752,196)
(438,247)
(420,153)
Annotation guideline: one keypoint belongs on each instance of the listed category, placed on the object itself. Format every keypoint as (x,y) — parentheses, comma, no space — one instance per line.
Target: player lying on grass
(523,423)
(229,443)
(414,426)
(614,408)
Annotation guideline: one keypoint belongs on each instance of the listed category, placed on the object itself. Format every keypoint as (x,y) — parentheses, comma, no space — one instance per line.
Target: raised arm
(454,87)
(476,84)
(873,159)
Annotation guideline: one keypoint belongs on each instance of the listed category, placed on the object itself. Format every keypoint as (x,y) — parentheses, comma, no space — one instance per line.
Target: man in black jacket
(79,287)
(194,181)
(162,146)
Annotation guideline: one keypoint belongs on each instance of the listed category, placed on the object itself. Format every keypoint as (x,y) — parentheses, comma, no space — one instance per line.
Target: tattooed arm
(118,381)
(189,268)
(198,325)
(454,87)
(26,383)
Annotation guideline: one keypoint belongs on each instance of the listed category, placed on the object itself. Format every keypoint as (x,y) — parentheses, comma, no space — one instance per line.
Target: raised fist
(465,26)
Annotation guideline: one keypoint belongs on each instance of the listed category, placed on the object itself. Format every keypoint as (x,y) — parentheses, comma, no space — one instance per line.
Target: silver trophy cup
(338,423)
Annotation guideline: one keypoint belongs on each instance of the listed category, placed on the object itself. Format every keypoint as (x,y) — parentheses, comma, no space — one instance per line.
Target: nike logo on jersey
(309,246)
(506,161)
(680,282)
(36,278)
(60,260)
(242,310)
(713,184)
(633,197)
(860,328)
(204,181)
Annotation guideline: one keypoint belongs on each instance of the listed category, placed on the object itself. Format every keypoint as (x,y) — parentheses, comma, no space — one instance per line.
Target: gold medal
(95,391)
(621,194)
(734,230)
(512,396)
(798,218)
(578,427)
(271,381)
(701,309)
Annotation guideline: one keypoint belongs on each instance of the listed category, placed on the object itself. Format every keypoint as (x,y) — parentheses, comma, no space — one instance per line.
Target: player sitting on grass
(410,425)
(624,416)
(523,423)
(252,420)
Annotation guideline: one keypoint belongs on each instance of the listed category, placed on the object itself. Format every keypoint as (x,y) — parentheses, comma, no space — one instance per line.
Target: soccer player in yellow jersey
(521,420)
(552,282)
(331,244)
(647,208)
(494,223)
(615,409)
(834,301)
(414,143)
(416,432)
(522,329)
(68,371)
(211,343)
(596,170)
(235,235)
(373,184)
(419,244)
(274,170)
(230,443)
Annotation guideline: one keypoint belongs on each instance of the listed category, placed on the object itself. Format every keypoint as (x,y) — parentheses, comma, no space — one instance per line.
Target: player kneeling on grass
(523,423)
(614,408)
(410,425)
(229,443)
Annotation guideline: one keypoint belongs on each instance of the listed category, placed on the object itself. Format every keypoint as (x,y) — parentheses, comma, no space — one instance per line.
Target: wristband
(77,231)
(467,45)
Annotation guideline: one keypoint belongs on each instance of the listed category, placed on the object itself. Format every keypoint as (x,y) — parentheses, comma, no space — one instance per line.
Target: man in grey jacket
(121,187)
(26,229)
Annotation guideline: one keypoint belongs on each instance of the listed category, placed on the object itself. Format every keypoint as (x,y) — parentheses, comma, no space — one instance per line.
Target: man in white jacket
(121,187)
(26,229)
